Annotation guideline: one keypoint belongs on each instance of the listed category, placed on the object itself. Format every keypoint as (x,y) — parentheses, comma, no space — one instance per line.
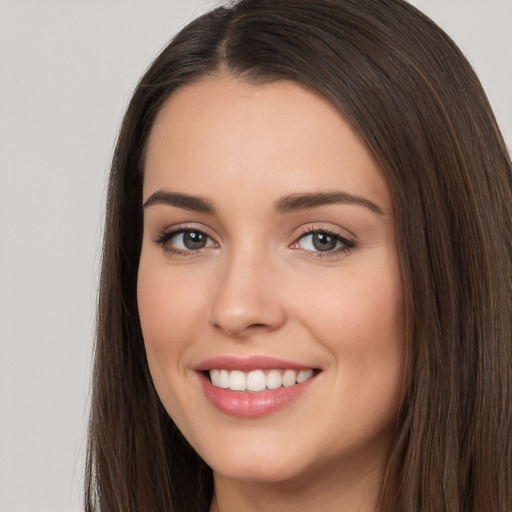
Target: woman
(306,281)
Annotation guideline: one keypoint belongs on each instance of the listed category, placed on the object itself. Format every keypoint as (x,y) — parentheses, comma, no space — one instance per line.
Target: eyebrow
(287,204)
(197,204)
(296,202)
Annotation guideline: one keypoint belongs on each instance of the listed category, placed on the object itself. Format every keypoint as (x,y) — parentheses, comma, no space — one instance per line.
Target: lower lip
(249,404)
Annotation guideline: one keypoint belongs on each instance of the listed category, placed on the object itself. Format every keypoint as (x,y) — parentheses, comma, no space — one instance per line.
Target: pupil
(323,242)
(193,240)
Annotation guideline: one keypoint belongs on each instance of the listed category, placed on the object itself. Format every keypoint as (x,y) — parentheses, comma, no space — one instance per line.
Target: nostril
(241,329)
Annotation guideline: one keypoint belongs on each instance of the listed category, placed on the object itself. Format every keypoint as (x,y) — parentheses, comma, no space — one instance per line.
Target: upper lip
(247,364)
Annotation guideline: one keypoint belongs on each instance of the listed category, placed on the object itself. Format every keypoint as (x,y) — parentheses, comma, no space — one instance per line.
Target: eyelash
(166,236)
(347,244)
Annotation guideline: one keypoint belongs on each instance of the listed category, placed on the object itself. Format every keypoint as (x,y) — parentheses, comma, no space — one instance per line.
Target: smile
(258,380)
(255,386)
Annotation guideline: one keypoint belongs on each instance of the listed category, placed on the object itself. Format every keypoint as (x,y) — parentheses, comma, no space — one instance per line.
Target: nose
(247,299)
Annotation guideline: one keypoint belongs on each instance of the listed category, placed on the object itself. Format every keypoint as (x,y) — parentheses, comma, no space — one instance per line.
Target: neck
(333,492)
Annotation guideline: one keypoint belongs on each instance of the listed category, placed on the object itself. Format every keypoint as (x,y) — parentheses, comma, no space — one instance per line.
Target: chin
(267,461)
(261,470)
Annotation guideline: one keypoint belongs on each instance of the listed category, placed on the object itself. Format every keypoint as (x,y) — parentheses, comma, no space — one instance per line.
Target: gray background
(67,69)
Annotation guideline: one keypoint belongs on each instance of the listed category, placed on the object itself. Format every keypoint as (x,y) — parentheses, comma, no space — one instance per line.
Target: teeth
(274,380)
(220,378)
(258,380)
(304,375)
(237,381)
(289,378)
(224,379)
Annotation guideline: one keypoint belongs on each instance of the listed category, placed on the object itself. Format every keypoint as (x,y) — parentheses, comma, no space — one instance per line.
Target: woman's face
(269,288)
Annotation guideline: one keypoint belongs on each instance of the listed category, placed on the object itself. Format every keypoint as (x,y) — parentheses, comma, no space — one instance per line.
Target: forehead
(275,139)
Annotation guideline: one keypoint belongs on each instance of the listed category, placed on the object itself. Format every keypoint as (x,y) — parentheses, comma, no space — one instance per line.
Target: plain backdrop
(67,69)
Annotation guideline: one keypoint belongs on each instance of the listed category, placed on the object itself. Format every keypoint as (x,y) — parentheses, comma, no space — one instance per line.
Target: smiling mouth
(258,380)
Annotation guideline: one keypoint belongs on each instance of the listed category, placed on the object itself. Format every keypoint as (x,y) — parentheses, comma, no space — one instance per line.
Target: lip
(247,364)
(246,404)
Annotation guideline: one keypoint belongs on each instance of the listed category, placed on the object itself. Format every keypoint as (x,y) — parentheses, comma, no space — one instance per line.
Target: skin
(260,287)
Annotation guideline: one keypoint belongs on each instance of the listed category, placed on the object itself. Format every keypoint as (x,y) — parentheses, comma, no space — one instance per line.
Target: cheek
(359,319)
(170,304)
(356,310)
(372,313)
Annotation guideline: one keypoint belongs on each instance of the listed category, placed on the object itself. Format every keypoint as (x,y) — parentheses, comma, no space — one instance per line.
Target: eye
(185,241)
(322,241)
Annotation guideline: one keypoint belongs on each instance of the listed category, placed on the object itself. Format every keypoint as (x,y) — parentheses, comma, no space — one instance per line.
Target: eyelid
(348,242)
(166,234)
(176,228)
(315,227)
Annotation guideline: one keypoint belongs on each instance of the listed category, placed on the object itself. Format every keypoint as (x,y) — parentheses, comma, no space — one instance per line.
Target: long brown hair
(417,104)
